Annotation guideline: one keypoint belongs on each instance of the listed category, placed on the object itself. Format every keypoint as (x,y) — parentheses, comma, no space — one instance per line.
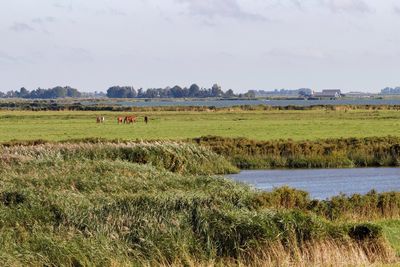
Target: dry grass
(325,253)
(316,253)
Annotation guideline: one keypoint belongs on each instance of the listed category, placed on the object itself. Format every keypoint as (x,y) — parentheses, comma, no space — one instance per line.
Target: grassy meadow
(255,124)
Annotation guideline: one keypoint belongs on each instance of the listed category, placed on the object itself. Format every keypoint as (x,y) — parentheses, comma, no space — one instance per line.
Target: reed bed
(356,207)
(327,153)
(106,204)
(174,156)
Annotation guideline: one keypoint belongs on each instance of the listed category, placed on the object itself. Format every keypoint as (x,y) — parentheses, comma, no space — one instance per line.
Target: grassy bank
(241,152)
(327,153)
(372,206)
(102,204)
(173,156)
(391,229)
(252,124)
(381,208)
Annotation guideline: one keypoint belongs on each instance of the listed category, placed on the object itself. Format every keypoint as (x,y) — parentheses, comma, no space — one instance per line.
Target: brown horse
(130,119)
(120,120)
(100,119)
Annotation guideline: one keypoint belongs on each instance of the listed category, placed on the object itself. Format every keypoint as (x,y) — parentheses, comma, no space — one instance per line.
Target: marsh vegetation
(326,153)
(160,203)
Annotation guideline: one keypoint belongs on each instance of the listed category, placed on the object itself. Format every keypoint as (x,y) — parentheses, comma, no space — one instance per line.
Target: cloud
(396,10)
(21,27)
(220,8)
(116,12)
(339,6)
(110,11)
(63,6)
(48,19)
(41,23)
(73,54)
(302,53)
(7,58)
(297,3)
(81,54)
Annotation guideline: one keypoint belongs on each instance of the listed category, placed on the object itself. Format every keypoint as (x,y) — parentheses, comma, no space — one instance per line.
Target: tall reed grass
(173,156)
(356,207)
(328,153)
(103,205)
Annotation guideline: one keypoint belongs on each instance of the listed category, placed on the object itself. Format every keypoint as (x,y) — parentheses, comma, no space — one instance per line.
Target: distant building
(328,93)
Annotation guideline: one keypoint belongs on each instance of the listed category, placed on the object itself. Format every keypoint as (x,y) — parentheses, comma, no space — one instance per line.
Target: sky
(353,45)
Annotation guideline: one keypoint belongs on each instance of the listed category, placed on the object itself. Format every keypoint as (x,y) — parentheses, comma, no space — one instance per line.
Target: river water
(230,103)
(325,183)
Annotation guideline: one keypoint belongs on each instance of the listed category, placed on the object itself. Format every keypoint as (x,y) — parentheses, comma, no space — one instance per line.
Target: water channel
(325,183)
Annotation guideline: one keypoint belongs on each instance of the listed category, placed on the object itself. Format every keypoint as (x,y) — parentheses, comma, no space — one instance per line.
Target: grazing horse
(130,119)
(120,120)
(100,119)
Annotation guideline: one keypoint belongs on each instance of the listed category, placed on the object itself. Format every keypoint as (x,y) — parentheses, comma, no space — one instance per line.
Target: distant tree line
(169,92)
(51,93)
(193,91)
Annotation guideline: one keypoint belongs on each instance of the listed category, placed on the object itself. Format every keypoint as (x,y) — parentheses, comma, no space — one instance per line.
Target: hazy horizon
(255,44)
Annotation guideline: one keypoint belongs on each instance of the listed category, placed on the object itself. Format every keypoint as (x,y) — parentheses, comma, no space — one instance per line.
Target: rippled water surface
(324,183)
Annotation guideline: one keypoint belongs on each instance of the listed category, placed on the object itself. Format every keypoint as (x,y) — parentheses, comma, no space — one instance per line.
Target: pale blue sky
(240,44)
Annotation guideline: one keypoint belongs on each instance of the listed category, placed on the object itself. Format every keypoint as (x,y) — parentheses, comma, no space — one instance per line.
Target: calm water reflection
(324,183)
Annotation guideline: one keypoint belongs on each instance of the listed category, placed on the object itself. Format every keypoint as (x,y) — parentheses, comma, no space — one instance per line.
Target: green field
(258,125)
